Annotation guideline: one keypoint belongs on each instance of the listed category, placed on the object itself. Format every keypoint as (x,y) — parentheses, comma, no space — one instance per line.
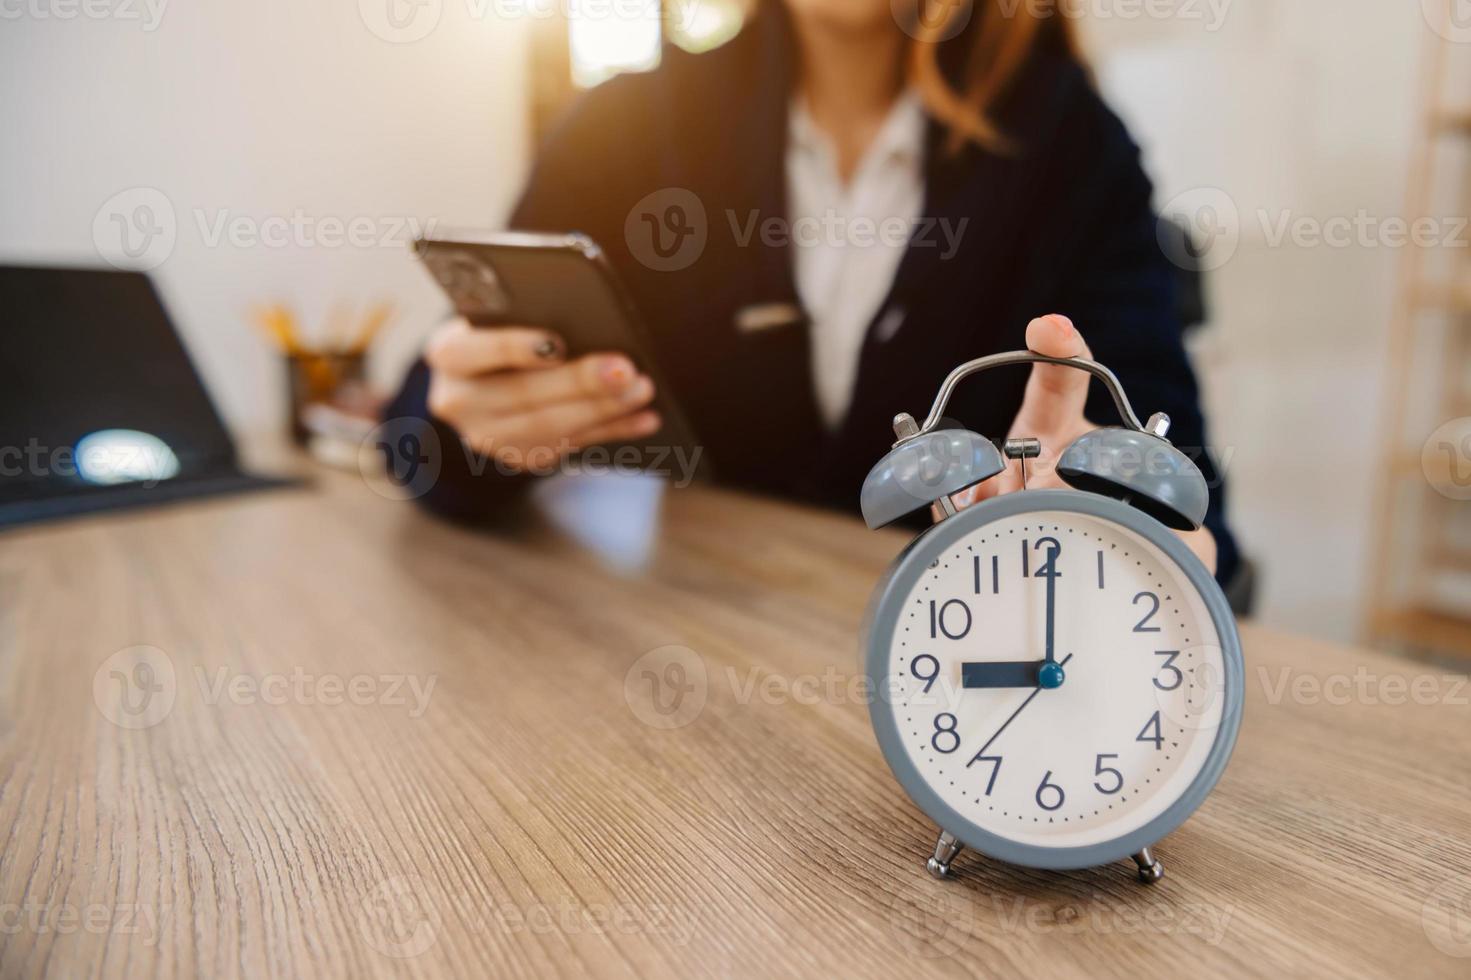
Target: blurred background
(287,153)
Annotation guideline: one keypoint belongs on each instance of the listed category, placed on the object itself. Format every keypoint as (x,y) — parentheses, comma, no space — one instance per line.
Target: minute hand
(1050,674)
(1051,656)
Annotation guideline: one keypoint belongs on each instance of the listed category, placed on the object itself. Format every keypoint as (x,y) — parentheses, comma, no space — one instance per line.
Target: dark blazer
(1063,225)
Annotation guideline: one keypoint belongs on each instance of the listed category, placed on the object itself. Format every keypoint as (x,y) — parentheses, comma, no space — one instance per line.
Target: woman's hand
(1052,412)
(512,395)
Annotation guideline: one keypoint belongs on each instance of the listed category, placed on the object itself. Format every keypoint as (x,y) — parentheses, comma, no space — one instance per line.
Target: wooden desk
(527,822)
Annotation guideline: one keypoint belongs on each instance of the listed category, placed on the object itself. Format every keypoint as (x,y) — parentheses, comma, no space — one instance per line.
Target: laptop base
(91,500)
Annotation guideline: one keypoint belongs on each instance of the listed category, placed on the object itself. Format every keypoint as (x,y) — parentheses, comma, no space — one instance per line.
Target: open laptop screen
(98,388)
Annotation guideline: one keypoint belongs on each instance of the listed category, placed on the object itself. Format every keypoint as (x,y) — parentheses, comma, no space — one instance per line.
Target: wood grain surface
(368,743)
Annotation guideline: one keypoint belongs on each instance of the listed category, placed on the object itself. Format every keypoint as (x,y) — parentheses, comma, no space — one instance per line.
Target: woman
(1024,192)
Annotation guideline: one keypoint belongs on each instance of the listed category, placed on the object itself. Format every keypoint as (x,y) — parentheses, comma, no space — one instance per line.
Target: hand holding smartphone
(549,358)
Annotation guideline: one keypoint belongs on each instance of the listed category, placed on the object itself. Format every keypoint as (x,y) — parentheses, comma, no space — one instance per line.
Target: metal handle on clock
(1103,374)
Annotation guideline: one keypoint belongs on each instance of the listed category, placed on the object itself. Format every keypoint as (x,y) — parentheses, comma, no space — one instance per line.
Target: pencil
(377,317)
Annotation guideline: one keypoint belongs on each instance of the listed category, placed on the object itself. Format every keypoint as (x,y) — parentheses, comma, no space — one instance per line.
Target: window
(586,42)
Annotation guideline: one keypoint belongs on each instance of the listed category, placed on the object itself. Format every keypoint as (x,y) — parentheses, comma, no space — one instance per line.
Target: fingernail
(615,372)
(639,391)
(549,349)
(650,423)
(1065,321)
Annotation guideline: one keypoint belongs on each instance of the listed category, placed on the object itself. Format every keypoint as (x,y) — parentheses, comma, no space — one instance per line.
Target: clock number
(995,761)
(1100,569)
(941,623)
(975,564)
(1099,769)
(943,727)
(1143,625)
(1055,788)
(1047,569)
(1144,735)
(1169,665)
(933,668)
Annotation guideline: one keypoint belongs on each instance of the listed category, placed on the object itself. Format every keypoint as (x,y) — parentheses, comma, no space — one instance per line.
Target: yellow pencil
(377,317)
(287,323)
(277,325)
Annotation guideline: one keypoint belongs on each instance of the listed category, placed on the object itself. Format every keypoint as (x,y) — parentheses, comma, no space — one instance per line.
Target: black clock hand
(1051,601)
(999,673)
(1051,674)
(1018,711)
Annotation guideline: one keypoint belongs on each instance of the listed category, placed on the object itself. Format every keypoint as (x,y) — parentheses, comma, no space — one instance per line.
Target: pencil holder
(315,377)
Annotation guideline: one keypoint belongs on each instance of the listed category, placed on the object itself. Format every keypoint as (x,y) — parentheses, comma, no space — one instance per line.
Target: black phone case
(563,283)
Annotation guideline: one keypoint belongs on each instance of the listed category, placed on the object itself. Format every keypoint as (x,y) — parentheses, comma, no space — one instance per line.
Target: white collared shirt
(848,240)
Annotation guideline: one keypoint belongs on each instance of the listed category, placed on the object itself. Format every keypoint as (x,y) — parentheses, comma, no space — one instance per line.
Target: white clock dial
(1138,657)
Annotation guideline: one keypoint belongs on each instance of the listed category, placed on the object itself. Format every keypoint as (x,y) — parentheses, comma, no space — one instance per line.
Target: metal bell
(1143,470)
(919,471)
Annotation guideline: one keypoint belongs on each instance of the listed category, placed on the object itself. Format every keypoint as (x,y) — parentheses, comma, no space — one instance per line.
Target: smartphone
(564,283)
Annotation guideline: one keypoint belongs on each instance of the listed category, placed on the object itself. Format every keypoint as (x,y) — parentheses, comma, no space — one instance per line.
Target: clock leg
(945,850)
(1150,870)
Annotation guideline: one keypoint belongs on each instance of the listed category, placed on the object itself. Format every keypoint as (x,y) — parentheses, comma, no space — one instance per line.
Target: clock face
(1055,678)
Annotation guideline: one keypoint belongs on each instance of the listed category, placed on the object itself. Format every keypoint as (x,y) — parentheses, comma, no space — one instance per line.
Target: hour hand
(1000,673)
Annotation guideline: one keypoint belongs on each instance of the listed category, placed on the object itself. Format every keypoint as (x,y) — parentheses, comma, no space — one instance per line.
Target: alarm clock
(1058,678)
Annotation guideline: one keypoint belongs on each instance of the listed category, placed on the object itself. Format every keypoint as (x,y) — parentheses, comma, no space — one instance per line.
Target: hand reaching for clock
(1052,412)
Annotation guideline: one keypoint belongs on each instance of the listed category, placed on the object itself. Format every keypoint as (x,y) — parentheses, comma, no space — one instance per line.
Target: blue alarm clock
(1059,678)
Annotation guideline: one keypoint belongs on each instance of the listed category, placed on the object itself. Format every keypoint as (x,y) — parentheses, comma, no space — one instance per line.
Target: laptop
(101,407)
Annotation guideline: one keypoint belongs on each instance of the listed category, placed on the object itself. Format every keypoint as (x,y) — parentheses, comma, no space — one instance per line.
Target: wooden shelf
(1449,558)
(1442,297)
(1408,463)
(1405,554)
(1455,122)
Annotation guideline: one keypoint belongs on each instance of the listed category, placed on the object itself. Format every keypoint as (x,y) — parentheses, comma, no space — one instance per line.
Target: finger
(981,491)
(557,422)
(1055,395)
(519,392)
(460,349)
(595,376)
(481,397)
(1203,543)
(636,426)
(1041,475)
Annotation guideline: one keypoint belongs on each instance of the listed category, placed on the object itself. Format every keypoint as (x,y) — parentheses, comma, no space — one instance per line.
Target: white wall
(1303,109)
(251,110)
